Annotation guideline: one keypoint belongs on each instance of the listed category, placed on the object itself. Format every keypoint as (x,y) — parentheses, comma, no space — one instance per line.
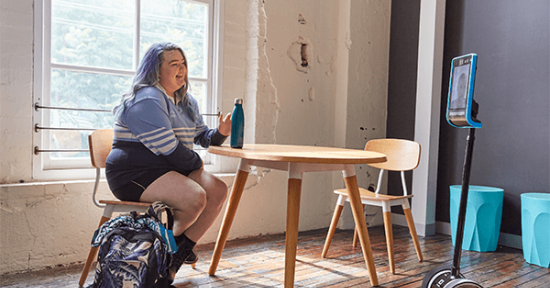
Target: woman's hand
(224,126)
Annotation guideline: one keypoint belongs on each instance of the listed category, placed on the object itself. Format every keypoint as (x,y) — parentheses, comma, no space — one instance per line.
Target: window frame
(42,167)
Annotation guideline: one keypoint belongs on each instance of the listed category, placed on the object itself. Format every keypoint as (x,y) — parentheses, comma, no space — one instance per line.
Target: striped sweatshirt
(152,133)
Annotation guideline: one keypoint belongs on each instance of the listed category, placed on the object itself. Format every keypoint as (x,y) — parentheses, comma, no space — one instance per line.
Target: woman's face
(172,71)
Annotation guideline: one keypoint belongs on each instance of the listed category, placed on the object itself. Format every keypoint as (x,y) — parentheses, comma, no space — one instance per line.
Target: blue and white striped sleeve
(149,121)
(205,136)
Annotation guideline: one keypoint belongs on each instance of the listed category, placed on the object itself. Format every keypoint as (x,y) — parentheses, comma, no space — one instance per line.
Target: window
(86,53)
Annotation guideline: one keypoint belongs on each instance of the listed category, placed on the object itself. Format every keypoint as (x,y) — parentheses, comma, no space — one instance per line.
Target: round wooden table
(297,159)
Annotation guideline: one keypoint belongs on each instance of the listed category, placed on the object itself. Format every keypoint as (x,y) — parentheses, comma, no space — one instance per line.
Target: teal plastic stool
(483,217)
(535,228)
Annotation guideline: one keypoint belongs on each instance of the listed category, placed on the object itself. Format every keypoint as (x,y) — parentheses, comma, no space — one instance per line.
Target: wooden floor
(259,262)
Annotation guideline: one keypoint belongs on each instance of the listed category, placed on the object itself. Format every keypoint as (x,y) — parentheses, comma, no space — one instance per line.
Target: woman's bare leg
(196,200)
(216,193)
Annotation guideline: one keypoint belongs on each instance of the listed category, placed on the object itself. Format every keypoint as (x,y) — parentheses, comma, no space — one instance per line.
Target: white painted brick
(17,103)
(16,38)
(13,19)
(20,6)
(15,144)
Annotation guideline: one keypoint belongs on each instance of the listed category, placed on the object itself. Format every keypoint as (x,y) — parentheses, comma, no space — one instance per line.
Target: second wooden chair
(402,155)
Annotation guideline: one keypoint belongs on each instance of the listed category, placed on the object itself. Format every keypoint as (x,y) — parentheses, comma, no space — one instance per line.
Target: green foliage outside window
(99,34)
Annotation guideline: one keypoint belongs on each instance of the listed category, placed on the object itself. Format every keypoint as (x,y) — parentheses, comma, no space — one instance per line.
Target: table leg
(292,219)
(234,199)
(360,224)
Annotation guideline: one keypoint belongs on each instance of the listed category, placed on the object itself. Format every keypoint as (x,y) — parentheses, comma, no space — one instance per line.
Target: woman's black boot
(184,255)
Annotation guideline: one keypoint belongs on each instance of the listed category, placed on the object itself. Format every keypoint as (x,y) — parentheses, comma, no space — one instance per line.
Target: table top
(299,154)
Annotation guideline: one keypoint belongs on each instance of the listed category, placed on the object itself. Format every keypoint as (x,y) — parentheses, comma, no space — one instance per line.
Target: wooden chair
(100,142)
(402,155)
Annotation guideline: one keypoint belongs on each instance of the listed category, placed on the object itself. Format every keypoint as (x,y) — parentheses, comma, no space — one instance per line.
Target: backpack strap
(154,211)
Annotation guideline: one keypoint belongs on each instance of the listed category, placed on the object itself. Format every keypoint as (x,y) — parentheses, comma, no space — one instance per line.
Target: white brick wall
(16,62)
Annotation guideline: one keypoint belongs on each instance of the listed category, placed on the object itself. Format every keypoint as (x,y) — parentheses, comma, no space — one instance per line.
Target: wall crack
(268,76)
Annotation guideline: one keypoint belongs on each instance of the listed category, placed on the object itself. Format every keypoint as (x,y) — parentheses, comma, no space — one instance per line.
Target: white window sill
(226,177)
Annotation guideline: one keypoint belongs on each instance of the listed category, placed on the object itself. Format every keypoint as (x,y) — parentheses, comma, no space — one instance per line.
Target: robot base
(441,277)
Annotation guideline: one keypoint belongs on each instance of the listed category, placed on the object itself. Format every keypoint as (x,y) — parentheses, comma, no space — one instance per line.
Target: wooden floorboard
(259,262)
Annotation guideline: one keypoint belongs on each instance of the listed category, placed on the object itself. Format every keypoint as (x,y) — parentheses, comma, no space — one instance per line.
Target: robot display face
(461,109)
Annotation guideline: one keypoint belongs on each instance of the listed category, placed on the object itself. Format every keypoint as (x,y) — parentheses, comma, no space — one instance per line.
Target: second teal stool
(535,228)
(483,217)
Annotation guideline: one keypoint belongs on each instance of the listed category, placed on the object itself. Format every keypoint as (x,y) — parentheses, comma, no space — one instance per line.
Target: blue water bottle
(237,125)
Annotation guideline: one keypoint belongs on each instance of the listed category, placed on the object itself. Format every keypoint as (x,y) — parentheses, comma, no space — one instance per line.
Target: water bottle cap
(238,101)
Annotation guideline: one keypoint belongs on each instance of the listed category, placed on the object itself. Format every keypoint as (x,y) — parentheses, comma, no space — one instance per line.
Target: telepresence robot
(461,113)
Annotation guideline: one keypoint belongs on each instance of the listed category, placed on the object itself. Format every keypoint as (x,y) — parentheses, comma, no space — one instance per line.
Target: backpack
(134,250)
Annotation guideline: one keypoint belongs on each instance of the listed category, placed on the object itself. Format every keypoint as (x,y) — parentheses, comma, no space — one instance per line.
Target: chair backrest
(402,155)
(100,142)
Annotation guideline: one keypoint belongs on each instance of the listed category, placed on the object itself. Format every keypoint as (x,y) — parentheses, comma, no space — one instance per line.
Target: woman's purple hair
(148,70)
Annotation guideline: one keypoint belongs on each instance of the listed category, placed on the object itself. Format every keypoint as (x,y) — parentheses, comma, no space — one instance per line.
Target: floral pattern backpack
(134,249)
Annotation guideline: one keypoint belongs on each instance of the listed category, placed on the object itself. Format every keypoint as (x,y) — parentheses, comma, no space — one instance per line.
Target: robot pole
(455,269)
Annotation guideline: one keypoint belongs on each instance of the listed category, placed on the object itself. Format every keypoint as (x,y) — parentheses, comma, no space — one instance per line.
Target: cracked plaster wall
(368,86)
(348,55)
(45,225)
(49,224)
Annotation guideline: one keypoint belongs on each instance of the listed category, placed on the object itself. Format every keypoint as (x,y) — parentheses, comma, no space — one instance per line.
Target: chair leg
(332,228)
(355,235)
(389,239)
(91,256)
(412,229)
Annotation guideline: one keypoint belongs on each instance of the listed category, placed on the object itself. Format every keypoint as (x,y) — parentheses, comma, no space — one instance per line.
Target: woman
(152,157)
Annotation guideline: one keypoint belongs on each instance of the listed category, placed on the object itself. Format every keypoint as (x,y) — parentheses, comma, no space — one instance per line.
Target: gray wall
(511,151)
(402,80)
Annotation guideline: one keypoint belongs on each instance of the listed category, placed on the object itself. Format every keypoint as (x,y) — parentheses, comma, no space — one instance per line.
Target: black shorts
(132,191)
